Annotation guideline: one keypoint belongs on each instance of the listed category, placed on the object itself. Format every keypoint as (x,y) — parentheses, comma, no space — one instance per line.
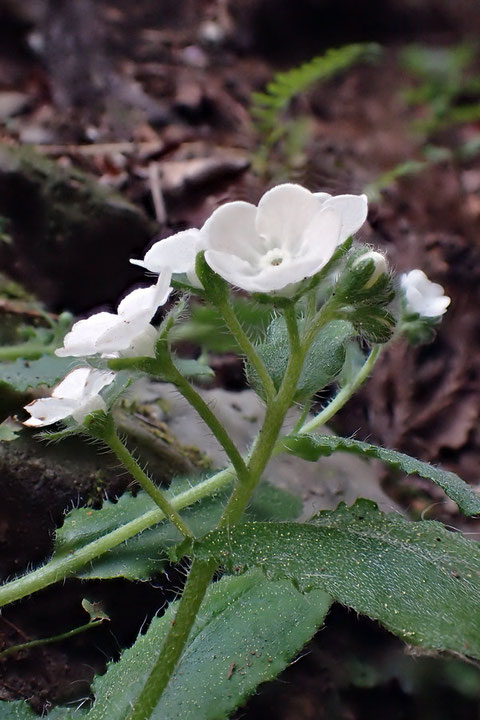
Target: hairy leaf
(24,374)
(145,555)
(246,632)
(418,579)
(312,447)
(323,362)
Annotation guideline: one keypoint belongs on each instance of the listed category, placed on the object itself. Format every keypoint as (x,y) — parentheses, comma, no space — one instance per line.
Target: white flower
(422,295)
(177,252)
(290,236)
(77,395)
(380,266)
(127,332)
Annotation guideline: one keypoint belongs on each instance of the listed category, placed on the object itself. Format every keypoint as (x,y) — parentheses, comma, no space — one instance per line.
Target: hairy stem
(65,565)
(344,395)
(211,420)
(199,579)
(248,349)
(202,572)
(125,457)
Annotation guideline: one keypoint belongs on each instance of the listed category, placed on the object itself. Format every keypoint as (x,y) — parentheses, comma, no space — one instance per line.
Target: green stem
(272,424)
(199,579)
(202,572)
(27,351)
(344,395)
(211,420)
(65,565)
(247,348)
(116,445)
(47,641)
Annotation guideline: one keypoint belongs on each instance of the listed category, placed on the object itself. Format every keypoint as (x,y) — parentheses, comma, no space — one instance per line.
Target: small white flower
(177,252)
(290,236)
(380,263)
(422,295)
(127,332)
(77,395)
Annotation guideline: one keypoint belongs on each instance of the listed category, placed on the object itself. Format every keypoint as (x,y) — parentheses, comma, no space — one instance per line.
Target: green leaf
(323,362)
(312,447)
(21,710)
(24,374)
(147,554)
(247,631)
(419,580)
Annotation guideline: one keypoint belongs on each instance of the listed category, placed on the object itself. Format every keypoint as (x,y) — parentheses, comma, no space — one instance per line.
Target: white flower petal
(320,238)
(353,210)
(81,340)
(73,385)
(48,410)
(144,302)
(143,344)
(176,252)
(231,229)
(322,197)
(232,268)
(283,214)
(91,404)
(97,380)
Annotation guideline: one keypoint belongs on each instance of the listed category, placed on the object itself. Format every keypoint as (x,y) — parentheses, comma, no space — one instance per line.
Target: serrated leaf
(246,632)
(47,370)
(147,554)
(323,362)
(419,580)
(312,447)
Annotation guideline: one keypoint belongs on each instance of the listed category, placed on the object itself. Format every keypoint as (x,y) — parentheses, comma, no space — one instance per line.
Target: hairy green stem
(344,395)
(63,566)
(210,419)
(272,424)
(247,348)
(48,641)
(199,579)
(202,572)
(129,462)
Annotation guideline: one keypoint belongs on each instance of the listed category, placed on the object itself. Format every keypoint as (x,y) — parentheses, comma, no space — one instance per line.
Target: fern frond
(267,106)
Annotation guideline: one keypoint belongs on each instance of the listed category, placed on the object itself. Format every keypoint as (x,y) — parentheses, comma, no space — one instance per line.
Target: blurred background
(122,122)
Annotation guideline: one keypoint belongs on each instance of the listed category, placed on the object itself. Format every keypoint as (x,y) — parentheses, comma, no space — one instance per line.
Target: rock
(71,237)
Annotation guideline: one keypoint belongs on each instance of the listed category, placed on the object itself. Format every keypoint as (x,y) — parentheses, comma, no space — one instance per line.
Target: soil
(151,100)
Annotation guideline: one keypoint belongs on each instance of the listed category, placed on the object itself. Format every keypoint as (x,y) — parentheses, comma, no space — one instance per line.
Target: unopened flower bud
(380,266)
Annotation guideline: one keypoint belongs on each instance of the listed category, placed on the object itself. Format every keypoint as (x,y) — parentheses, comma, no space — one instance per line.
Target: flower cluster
(271,248)
(290,236)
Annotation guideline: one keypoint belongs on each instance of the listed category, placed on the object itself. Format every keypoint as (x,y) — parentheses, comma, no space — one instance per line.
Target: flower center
(274,257)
